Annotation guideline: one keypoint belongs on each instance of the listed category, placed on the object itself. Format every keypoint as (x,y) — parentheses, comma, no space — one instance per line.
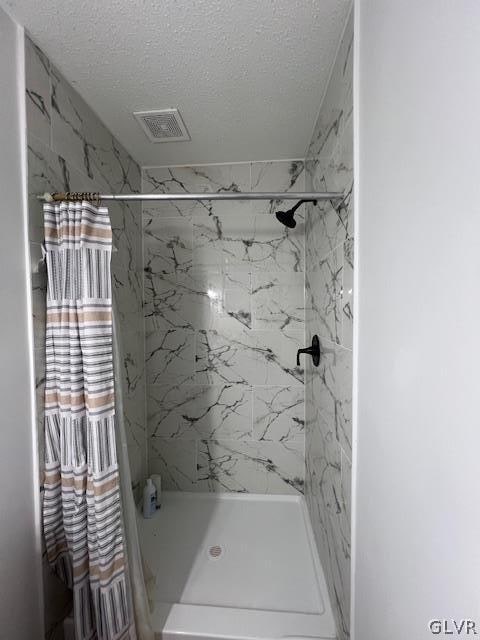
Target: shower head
(286,217)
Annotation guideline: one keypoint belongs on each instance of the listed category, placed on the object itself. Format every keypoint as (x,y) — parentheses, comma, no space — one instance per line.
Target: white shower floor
(235,566)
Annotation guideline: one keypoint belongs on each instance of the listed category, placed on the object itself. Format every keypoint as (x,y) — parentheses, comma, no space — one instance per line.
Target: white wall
(20,593)
(417,511)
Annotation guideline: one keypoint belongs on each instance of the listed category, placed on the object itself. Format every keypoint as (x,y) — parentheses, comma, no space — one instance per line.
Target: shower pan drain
(215,552)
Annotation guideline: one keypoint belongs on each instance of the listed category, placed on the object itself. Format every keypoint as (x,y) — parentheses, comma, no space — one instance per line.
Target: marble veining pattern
(329,312)
(278,301)
(169,356)
(224,316)
(250,467)
(198,179)
(201,300)
(324,290)
(168,245)
(347,294)
(175,460)
(279,414)
(202,411)
(228,465)
(250,242)
(247,357)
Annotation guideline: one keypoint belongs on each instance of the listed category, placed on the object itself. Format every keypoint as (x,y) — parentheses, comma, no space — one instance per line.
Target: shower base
(235,566)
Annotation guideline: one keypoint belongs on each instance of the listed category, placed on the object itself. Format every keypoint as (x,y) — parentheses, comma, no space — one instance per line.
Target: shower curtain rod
(270,195)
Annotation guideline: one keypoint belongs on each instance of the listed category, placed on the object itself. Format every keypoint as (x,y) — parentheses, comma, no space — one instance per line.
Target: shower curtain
(82,509)
(136,570)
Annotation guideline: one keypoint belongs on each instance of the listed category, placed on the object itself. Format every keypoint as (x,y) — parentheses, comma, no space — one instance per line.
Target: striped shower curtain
(82,506)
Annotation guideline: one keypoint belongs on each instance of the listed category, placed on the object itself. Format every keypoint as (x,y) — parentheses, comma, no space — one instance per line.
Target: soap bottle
(157,481)
(149,499)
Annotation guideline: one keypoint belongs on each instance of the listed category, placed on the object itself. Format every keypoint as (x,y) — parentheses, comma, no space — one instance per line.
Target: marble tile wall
(224,317)
(70,149)
(329,313)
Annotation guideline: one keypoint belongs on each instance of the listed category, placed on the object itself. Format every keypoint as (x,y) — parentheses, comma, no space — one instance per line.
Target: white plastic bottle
(157,481)
(149,499)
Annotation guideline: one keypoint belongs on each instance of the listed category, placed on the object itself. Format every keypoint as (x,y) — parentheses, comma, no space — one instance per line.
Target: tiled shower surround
(329,313)
(70,149)
(229,295)
(224,317)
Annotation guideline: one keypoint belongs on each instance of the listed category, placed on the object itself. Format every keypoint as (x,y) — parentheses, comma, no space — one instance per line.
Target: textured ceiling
(247,75)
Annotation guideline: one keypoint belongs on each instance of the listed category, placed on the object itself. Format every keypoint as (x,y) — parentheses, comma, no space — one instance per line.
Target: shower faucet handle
(313,351)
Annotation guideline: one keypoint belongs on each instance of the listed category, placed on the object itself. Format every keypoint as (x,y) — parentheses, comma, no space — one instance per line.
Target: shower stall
(253,445)
(216,293)
(224,312)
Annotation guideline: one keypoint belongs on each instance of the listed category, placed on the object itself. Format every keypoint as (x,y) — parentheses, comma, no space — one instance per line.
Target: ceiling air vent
(163,126)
